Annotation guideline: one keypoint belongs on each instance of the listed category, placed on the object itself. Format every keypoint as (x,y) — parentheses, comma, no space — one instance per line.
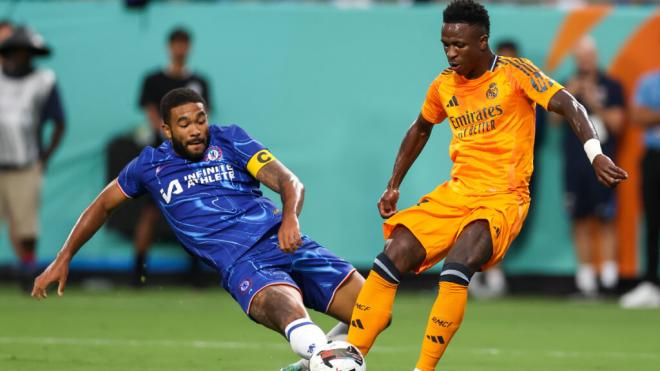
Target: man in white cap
(29,98)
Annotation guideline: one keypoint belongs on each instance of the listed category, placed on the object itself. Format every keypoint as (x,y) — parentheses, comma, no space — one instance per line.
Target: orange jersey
(492,119)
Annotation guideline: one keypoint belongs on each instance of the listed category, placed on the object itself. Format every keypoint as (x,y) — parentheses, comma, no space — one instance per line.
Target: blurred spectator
(646,112)
(590,205)
(154,87)
(29,97)
(507,48)
(6,29)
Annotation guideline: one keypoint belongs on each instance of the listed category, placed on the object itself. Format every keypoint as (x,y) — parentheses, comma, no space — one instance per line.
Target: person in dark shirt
(175,75)
(591,206)
(158,83)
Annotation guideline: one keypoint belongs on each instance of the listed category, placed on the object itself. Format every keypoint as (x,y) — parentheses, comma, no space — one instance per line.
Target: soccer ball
(337,356)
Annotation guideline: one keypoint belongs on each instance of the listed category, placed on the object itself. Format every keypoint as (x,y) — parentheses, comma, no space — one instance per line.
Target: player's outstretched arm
(565,104)
(411,146)
(280,179)
(89,222)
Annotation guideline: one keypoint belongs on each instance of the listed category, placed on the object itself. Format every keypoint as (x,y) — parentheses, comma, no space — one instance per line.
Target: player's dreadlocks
(467,11)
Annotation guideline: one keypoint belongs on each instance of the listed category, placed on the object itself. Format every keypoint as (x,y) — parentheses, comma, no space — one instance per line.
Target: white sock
(339,332)
(609,274)
(305,337)
(585,279)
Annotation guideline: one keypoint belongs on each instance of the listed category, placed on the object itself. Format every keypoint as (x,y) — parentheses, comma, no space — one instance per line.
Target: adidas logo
(357,323)
(436,339)
(453,102)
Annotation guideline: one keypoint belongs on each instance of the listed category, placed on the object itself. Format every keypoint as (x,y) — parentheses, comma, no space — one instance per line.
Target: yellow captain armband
(259,160)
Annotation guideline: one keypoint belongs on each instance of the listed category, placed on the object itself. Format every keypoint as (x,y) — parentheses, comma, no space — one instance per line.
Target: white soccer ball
(337,356)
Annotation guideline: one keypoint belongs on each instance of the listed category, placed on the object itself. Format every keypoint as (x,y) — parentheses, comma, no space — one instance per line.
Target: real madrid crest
(491,93)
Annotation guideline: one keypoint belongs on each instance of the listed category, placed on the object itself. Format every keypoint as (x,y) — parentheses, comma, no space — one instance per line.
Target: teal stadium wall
(330,91)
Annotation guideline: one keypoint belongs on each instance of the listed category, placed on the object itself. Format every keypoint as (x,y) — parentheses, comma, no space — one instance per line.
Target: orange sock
(372,311)
(445,318)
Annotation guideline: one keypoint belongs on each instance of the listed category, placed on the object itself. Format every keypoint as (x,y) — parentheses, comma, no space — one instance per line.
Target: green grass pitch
(180,329)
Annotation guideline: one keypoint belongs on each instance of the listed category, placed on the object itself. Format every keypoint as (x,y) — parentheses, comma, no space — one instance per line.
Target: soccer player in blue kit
(205,180)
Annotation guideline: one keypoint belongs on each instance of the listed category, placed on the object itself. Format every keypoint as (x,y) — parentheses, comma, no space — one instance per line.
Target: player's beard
(182,150)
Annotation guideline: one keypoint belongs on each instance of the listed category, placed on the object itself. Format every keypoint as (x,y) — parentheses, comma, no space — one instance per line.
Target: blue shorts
(313,270)
(584,195)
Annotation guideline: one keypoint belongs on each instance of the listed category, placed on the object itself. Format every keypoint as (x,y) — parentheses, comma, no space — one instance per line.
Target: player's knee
(474,246)
(404,251)
(277,306)
(472,260)
(257,307)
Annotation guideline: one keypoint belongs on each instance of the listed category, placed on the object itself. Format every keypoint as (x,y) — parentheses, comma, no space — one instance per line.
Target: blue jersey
(214,206)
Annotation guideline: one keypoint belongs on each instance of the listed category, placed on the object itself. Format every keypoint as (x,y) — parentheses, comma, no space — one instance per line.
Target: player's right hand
(387,203)
(57,271)
(607,172)
(289,236)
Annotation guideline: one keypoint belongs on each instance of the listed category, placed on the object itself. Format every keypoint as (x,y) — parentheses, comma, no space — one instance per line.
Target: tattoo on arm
(273,175)
(280,179)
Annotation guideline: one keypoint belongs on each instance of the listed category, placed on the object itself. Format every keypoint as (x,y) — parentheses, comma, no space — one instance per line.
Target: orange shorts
(440,216)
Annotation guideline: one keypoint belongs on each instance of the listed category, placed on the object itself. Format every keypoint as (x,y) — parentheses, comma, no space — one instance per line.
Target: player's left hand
(57,271)
(289,234)
(607,172)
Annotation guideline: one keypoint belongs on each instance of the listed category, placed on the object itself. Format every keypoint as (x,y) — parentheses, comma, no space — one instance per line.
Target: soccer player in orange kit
(470,221)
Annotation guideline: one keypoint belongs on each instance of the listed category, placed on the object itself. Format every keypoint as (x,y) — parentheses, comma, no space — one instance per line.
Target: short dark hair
(467,11)
(178,97)
(507,44)
(179,34)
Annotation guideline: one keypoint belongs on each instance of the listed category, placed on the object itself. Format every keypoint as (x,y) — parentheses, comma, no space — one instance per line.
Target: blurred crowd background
(330,87)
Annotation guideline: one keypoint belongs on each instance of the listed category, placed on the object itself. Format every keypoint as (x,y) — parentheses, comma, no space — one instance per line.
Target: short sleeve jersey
(492,119)
(214,206)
